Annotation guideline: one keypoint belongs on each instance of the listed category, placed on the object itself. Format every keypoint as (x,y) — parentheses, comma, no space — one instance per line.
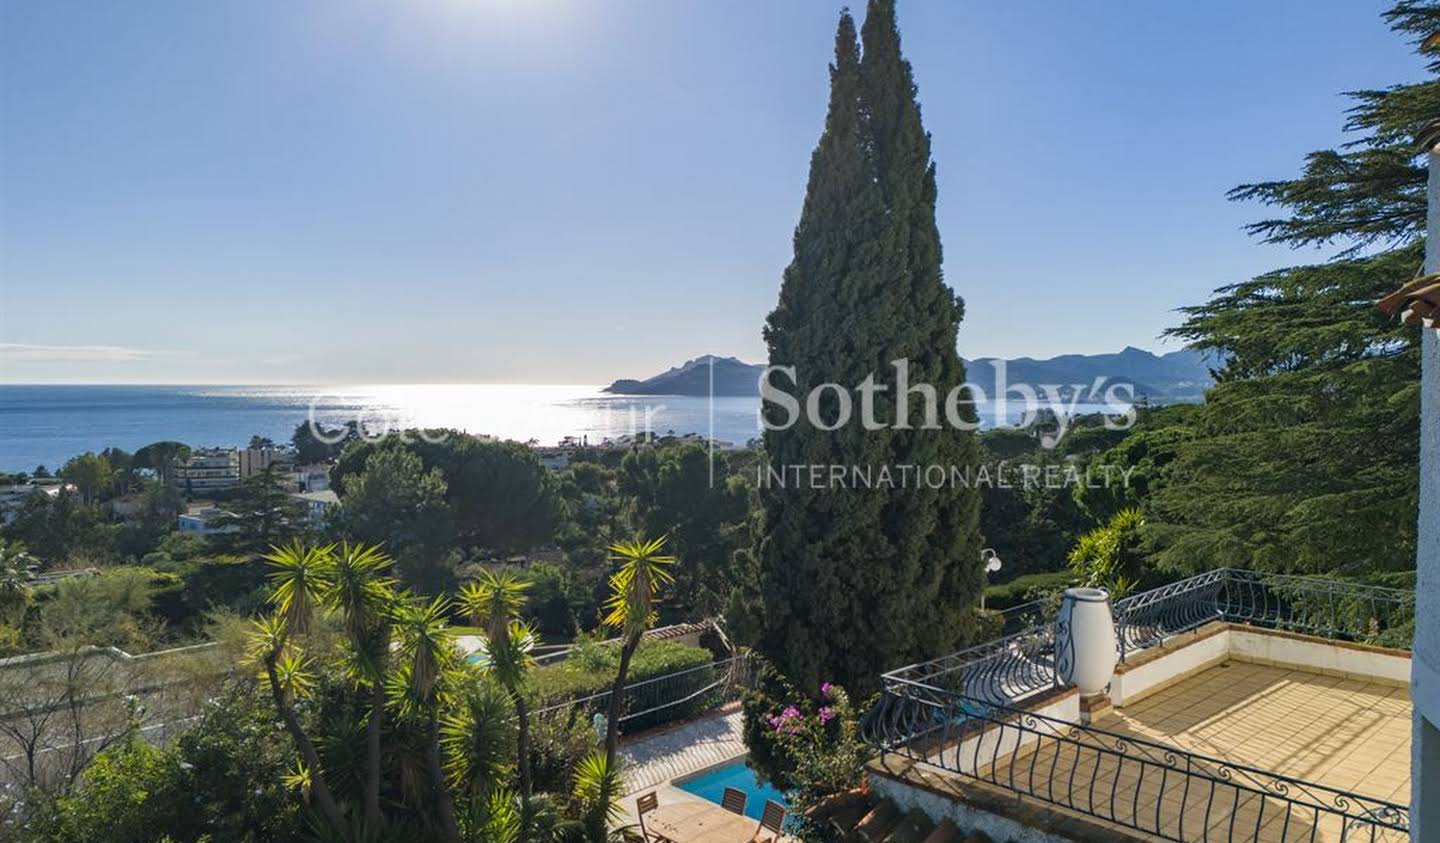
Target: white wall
(1257,645)
(1425,682)
(1154,675)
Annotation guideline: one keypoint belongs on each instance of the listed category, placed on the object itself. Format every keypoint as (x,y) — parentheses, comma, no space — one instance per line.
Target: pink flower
(826,689)
(790,711)
(826,714)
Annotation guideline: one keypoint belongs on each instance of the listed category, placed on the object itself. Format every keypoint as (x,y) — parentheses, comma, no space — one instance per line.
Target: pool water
(710,786)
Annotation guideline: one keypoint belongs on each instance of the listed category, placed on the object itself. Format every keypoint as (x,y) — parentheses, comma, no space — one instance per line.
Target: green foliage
(594,511)
(91,475)
(219,781)
(857,581)
(1111,557)
(200,586)
(129,794)
(479,737)
(1029,523)
(636,583)
(108,609)
(14,582)
(1025,588)
(161,457)
(62,528)
(561,601)
(397,502)
(262,514)
(599,784)
(686,492)
(591,670)
(324,447)
(1304,456)
(809,748)
(557,745)
(500,496)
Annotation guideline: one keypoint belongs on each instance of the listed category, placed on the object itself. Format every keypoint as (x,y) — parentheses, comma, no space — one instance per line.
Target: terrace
(1244,707)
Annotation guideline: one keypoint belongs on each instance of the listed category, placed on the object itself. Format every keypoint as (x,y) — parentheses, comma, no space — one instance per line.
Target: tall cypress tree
(856,580)
(938,532)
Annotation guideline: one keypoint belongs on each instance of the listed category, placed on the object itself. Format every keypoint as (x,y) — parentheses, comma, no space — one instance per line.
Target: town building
(312,478)
(252,461)
(317,504)
(208,470)
(203,519)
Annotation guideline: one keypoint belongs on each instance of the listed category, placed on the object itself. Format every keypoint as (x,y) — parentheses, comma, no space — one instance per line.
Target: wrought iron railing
(964,713)
(1315,605)
(1150,787)
(1000,671)
(661,699)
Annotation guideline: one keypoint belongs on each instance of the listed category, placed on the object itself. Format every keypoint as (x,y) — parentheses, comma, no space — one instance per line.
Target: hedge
(590,669)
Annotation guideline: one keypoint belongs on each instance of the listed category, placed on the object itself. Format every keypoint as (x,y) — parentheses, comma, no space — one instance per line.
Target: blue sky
(568,191)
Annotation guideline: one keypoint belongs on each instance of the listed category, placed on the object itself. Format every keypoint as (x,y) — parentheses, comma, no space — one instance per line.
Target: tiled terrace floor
(1344,733)
(1341,733)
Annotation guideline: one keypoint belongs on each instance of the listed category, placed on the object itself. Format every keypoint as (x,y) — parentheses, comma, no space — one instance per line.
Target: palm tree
(300,579)
(478,737)
(493,602)
(420,686)
(285,668)
(598,786)
(356,586)
(509,657)
(634,590)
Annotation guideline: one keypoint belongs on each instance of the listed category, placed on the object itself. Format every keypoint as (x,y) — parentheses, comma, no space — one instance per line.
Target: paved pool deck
(659,757)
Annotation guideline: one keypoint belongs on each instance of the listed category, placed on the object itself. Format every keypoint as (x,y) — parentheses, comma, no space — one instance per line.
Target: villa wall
(1157,668)
(1425,681)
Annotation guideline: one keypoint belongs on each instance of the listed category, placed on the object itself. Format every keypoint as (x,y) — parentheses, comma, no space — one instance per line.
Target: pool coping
(710,768)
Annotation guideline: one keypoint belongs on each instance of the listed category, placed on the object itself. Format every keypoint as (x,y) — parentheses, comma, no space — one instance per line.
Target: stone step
(877,824)
(914,827)
(945,832)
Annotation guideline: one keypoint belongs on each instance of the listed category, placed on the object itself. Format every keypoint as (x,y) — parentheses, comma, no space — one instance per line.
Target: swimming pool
(710,786)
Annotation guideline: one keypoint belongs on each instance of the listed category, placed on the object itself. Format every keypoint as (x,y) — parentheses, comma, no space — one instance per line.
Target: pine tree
(1303,458)
(856,580)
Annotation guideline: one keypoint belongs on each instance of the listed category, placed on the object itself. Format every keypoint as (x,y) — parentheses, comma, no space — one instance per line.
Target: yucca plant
(478,738)
(634,593)
(300,576)
(598,788)
(509,657)
(493,602)
(284,667)
(357,587)
(420,686)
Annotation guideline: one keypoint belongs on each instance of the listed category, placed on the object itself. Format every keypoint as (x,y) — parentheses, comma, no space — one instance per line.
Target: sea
(49,424)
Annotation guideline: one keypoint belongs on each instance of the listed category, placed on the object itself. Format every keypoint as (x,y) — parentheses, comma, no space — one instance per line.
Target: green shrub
(130,793)
(1025,588)
(591,667)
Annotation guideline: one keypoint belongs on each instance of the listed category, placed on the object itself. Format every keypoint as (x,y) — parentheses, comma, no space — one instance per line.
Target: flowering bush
(807,748)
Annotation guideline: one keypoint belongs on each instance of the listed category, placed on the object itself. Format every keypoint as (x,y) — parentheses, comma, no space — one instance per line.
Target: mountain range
(1162,378)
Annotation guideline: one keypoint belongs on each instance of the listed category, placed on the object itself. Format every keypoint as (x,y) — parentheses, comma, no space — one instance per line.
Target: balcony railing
(1314,605)
(1149,787)
(964,713)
